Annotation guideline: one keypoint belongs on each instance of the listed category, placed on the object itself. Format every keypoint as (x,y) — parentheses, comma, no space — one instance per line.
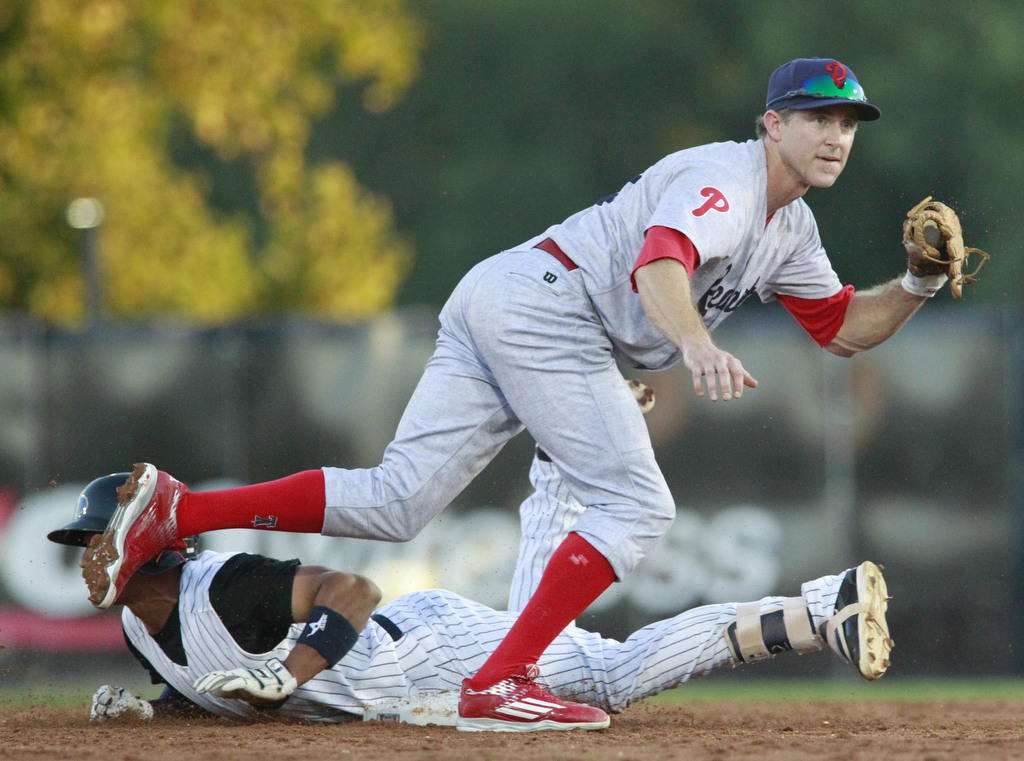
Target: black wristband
(329,633)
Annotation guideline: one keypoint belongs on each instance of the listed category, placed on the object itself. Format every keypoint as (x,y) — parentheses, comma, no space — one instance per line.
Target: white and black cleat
(858,631)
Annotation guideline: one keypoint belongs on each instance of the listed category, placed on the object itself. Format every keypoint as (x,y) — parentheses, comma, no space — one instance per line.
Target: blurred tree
(241,128)
(189,121)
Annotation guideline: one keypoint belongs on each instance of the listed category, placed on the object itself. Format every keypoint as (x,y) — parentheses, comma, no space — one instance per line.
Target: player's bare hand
(719,372)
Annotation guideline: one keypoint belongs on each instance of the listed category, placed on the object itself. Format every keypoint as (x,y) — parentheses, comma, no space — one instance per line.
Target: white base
(427,708)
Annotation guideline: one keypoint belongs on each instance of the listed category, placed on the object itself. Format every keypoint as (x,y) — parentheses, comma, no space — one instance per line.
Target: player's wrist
(329,633)
(925,286)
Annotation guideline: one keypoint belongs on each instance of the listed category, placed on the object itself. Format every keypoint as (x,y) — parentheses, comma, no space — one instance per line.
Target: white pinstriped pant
(546,517)
(448,638)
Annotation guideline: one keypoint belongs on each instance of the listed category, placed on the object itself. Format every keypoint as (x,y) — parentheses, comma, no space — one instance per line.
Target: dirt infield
(768,732)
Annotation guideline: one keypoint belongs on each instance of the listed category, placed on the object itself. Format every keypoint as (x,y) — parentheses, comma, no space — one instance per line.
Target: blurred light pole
(86,214)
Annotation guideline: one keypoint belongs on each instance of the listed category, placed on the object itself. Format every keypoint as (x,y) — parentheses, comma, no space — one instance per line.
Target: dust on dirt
(961,730)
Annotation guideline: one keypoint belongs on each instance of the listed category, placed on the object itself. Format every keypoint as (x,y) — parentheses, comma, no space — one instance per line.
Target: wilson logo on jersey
(716,202)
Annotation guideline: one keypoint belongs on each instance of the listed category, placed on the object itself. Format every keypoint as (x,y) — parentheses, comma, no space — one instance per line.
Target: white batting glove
(112,702)
(271,682)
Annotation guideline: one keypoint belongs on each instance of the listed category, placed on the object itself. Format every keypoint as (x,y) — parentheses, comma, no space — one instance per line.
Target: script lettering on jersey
(723,299)
(716,202)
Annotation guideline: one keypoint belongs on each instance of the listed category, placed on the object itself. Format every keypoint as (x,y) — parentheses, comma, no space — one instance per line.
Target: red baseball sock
(294,503)
(576,575)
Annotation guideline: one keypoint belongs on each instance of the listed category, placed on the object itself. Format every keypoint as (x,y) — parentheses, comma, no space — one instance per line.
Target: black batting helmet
(96,506)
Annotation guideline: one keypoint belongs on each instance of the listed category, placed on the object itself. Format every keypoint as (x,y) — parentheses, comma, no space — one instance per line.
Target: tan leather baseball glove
(935,245)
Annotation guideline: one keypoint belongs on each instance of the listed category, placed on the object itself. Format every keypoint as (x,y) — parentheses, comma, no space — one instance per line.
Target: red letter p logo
(716,202)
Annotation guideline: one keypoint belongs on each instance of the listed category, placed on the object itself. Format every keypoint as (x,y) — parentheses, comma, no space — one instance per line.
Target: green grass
(842,689)
(12,701)
(760,691)
(70,694)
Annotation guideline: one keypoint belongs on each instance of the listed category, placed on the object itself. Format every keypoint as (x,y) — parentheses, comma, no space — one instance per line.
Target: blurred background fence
(908,455)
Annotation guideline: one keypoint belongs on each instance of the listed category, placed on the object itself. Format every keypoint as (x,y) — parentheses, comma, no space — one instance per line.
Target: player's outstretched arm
(873,316)
(936,255)
(335,606)
(664,289)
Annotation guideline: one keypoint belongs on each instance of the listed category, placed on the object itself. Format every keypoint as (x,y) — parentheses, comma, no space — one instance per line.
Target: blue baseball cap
(814,82)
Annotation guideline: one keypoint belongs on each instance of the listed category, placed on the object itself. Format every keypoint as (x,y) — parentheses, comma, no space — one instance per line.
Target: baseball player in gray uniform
(532,337)
(250,637)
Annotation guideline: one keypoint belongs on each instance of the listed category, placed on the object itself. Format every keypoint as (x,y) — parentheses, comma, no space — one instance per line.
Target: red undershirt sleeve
(666,243)
(821,318)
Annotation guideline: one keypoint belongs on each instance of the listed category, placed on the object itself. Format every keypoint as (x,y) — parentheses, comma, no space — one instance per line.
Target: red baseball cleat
(144,523)
(518,704)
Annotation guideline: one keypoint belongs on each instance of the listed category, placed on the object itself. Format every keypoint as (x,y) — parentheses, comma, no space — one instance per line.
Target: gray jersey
(526,341)
(715,195)
(445,638)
